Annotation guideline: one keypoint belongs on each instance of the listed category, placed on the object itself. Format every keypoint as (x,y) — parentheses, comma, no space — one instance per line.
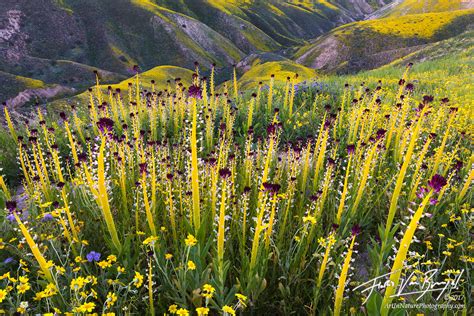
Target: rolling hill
(60,41)
(373,43)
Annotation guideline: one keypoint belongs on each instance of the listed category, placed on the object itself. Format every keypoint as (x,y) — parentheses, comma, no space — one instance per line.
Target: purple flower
(11,218)
(350,149)
(47,217)
(10,205)
(355,230)
(8,260)
(105,125)
(421,193)
(433,201)
(225,173)
(195,91)
(93,256)
(437,182)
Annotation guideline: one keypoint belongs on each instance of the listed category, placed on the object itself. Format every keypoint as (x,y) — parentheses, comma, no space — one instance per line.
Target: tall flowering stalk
(196,216)
(397,267)
(270,94)
(365,175)
(4,188)
(331,240)
(440,150)
(403,170)
(34,248)
(10,124)
(102,197)
(262,197)
(225,174)
(292,94)
(341,285)
(466,185)
(236,89)
(146,202)
(340,209)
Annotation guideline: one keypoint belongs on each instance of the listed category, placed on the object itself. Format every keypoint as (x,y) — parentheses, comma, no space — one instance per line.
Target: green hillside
(374,43)
(427,6)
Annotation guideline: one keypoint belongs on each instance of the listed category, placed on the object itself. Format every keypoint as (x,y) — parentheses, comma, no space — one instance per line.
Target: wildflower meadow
(288,198)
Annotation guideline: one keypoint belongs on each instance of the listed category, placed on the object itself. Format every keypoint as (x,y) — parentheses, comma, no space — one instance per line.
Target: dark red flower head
(195,91)
(355,230)
(105,125)
(10,205)
(225,173)
(350,149)
(437,182)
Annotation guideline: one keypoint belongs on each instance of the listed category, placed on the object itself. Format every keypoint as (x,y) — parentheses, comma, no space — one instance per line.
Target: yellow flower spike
(72,144)
(344,191)
(4,188)
(342,279)
(196,212)
(270,94)
(236,89)
(221,226)
(369,160)
(329,243)
(102,197)
(34,249)
(397,267)
(148,211)
(10,124)
(403,170)
(440,149)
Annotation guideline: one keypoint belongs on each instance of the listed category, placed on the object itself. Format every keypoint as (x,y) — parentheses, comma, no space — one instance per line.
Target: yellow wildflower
(208,290)
(111,299)
(191,265)
(173,309)
(86,307)
(104,264)
(182,312)
(3,294)
(23,287)
(138,279)
(242,299)
(78,283)
(202,311)
(310,219)
(190,240)
(150,240)
(168,256)
(228,310)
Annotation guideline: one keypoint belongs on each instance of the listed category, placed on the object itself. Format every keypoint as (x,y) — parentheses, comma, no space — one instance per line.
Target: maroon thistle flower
(10,205)
(428,99)
(437,182)
(355,230)
(195,91)
(381,133)
(105,125)
(410,87)
(225,173)
(350,149)
(143,167)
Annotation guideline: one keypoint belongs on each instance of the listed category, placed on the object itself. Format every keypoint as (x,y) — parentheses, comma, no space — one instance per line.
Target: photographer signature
(426,284)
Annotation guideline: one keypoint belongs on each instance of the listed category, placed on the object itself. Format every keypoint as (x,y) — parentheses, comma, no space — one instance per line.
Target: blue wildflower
(93,256)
